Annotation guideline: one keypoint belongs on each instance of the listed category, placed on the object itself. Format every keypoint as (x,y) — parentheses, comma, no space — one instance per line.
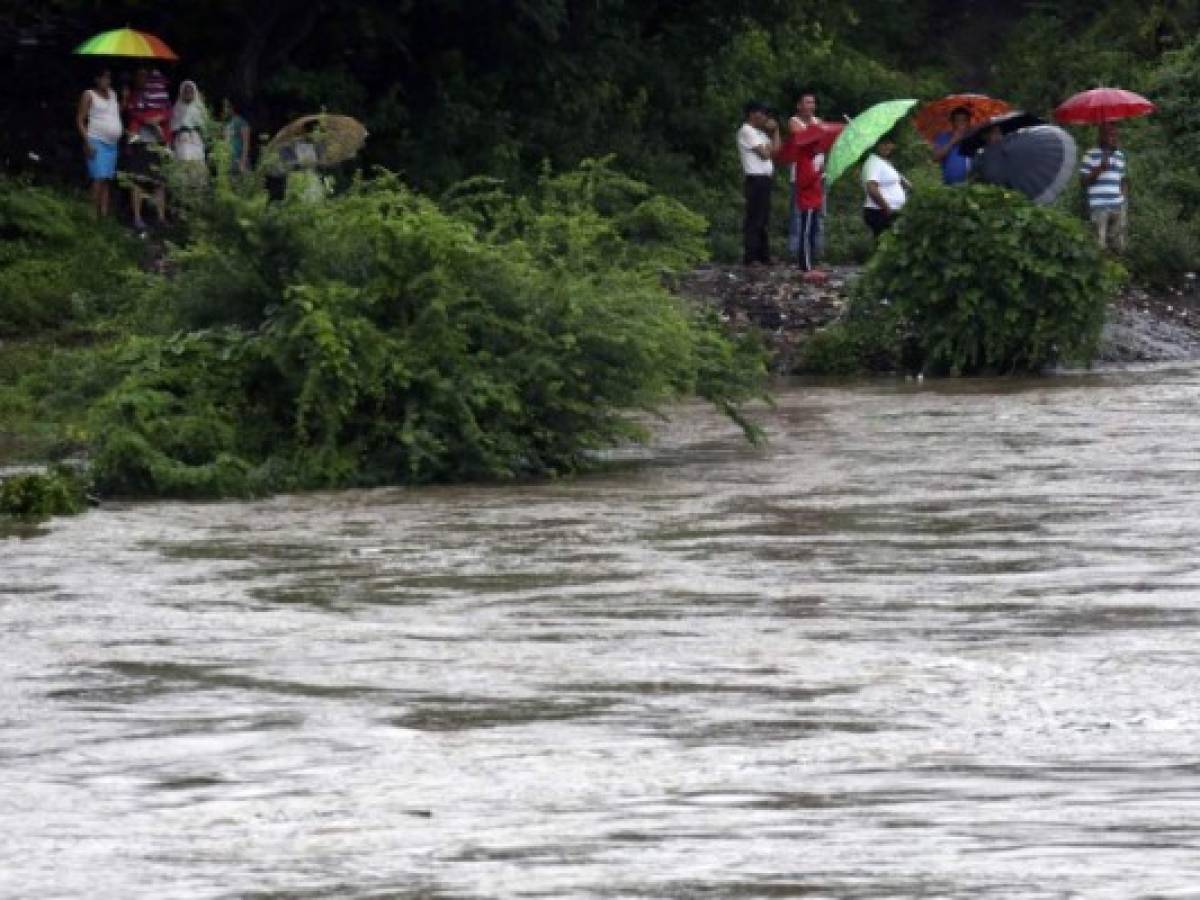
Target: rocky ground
(1144,325)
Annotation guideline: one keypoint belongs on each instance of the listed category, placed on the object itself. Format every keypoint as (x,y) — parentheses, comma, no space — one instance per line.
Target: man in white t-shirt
(757,141)
(806,114)
(886,189)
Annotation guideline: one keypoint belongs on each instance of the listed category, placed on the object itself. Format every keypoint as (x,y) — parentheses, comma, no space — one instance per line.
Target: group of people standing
(1103,173)
(135,130)
(761,147)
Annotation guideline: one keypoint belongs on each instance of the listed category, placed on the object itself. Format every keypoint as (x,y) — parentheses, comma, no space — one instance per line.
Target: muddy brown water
(938,640)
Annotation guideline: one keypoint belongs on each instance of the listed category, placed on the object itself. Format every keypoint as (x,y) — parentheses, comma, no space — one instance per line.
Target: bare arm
(876,194)
(81,114)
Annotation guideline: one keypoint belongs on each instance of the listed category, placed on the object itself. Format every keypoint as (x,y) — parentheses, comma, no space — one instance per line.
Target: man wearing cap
(757,142)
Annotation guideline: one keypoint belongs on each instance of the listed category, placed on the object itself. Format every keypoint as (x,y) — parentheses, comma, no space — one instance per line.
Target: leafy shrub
(56,492)
(378,338)
(57,265)
(981,280)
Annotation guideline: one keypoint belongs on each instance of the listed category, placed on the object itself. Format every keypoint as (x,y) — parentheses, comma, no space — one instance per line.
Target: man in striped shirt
(1106,184)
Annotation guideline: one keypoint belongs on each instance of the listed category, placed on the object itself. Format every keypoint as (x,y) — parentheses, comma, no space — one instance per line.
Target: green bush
(58,267)
(980,280)
(377,338)
(36,495)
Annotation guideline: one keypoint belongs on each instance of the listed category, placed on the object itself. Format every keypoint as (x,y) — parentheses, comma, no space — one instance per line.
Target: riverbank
(1144,325)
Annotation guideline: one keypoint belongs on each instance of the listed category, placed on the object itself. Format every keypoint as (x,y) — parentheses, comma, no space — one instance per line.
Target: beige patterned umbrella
(316,141)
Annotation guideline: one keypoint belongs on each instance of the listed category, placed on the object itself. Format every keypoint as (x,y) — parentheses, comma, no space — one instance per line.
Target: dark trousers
(809,228)
(878,220)
(755,240)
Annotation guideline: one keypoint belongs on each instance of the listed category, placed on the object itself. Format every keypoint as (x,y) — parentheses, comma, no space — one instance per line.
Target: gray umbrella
(1037,161)
(976,138)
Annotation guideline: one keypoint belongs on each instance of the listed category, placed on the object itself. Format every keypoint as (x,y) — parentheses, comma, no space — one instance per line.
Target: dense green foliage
(379,338)
(1152,48)
(57,266)
(36,495)
(975,280)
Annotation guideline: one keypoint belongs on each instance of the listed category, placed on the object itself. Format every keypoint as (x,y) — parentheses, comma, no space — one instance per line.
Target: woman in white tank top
(98,120)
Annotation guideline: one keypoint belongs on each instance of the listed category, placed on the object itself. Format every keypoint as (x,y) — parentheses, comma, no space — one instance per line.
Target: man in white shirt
(886,189)
(806,114)
(757,141)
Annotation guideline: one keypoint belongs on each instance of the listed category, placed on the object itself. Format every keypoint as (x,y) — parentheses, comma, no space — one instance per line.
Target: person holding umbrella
(1103,168)
(873,130)
(757,142)
(886,189)
(1106,184)
(946,148)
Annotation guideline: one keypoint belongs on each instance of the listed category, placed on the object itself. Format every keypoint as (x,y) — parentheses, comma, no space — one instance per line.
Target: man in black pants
(757,141)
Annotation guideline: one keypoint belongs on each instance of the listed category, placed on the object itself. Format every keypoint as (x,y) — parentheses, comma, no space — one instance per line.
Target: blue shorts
(103,164)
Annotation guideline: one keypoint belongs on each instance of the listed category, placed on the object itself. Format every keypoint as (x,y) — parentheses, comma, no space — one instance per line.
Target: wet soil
(1144,325)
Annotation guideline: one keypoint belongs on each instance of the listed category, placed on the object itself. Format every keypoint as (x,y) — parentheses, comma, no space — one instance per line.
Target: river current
(935,640)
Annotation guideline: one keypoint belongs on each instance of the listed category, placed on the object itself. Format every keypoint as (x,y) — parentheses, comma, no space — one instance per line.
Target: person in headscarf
(189,124)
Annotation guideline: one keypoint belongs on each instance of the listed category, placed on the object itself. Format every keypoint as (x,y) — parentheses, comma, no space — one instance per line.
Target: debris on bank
(786,308)
(779,301)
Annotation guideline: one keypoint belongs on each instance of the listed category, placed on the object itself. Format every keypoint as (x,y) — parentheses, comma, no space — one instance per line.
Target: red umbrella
(1102,105)
(820,137)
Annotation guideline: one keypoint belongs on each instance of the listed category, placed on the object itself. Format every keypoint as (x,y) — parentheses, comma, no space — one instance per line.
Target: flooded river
(936,640)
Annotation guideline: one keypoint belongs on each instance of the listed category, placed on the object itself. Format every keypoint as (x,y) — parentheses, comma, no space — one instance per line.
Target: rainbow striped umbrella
(126,42)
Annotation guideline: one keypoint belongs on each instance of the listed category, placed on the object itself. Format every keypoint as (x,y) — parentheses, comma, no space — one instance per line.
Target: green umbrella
(863,132)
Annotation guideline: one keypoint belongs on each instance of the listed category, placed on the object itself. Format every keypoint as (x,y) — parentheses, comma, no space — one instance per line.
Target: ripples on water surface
(937,641)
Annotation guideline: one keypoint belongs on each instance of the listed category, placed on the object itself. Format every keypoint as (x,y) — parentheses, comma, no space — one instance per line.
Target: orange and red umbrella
(126,42)
(1102,105)
(934,117)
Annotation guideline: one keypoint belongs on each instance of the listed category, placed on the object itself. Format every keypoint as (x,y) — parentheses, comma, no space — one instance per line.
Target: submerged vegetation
(378,337)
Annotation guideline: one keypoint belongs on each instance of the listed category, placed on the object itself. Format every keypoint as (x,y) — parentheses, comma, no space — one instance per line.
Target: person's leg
(748,222)
(758,209)
(1120,227)
(135,200)
(818,235)
(877,220)
(870,220)
(1100,224)
(160,202)
(764,230)
(793,244)
(805,256)
(105,198)
(94,196)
